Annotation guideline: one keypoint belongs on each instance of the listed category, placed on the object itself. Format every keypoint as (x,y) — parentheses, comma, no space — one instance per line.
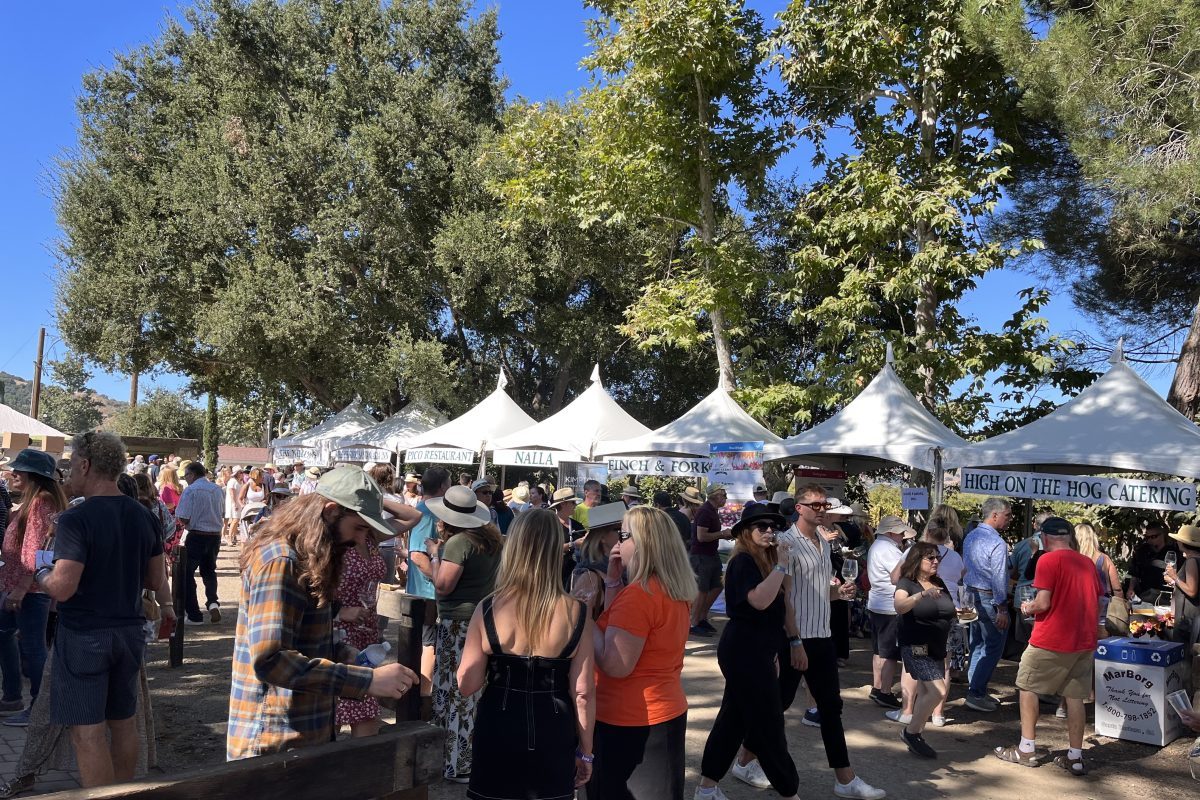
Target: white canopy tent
(1117,424)
(716,418)
(312,446)
(13,421)
(495,416)
(391,435)
(884,426)
(574,432)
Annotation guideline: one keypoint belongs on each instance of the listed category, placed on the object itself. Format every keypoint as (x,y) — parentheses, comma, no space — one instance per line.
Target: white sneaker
(937,722)
(716,794)
(895,715)
(857,788)
(751,773)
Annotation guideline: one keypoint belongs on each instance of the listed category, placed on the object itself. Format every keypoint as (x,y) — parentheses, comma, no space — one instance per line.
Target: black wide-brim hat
(758,512)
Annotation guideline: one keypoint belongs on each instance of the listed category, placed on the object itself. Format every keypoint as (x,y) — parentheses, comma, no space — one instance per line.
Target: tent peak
(595,377)
(501,381)
(890,358)
(1118,353)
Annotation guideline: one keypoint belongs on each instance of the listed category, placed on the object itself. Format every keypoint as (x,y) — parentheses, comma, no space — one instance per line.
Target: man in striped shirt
(810,652)
(286,668)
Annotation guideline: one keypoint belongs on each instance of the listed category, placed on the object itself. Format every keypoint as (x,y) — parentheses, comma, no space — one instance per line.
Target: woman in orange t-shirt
(641,711)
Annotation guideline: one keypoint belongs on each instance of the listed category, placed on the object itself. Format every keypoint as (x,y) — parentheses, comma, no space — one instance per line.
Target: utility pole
(36,400)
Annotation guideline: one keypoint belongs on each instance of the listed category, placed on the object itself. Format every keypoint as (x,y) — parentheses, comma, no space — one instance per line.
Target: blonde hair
(531,571)
(659,553)
(167,476)
(593,549)
(1086,541)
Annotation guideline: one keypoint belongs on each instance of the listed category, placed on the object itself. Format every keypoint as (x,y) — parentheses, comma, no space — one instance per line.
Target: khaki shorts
(1048,672)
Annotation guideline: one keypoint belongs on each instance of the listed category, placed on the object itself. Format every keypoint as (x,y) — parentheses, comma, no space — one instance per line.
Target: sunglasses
(624,536)
(763,527)
(817,506)
(932,558)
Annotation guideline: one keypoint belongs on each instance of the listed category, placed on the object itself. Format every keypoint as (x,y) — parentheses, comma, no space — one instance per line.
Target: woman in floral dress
(362,570)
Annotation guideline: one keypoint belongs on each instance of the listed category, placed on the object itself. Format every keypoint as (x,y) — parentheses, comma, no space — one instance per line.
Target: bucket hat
(34,461)
(893,524)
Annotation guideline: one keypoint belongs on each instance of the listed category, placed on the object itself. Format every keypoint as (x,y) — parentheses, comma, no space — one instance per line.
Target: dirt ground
(190,704)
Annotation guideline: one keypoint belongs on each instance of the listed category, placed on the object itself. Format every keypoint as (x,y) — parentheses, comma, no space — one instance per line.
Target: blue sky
(46,47)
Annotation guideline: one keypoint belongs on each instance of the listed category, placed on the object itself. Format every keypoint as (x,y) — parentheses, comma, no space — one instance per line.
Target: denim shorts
(94,674)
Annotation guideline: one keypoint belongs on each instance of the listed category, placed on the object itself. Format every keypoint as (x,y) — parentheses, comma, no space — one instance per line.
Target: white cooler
(1133,679)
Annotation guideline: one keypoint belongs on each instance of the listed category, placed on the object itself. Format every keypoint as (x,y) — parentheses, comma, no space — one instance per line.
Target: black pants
(822,679)
(644,762)
(202,549)
(751,712)
(839,627)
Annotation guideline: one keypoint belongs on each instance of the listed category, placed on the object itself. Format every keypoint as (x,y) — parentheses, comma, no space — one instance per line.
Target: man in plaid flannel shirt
(287,671)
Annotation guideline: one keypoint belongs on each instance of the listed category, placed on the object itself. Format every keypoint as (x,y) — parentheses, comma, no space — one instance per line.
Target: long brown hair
(39,488)
(302,526)
(487,536)
(764,557)
(912,562)
(531,572)
(146,494)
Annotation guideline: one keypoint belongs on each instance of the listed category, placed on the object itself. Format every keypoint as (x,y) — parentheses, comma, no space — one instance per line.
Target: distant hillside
(18,392)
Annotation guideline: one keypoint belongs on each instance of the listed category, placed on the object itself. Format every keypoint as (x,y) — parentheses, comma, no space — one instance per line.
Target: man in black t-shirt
(683,523)
(106,550)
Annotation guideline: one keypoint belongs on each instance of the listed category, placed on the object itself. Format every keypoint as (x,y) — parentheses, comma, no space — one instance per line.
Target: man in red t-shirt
(1059,657)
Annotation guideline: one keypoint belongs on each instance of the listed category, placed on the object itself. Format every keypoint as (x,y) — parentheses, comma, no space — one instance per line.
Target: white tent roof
(351,419)
(716,418)
(495,416)
(13,421)
(589,419)
(395,432)
(1117,424)
(885,423)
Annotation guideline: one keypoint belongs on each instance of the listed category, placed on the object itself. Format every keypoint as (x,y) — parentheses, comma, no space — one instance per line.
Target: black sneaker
(706,625)
(917,744)
(696,630)
(885,699)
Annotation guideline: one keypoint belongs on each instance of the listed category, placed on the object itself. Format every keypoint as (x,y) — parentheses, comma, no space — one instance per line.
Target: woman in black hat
(26,608)
(752,708)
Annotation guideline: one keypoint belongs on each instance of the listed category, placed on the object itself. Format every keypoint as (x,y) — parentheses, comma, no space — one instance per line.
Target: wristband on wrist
(586,758)
(796,641)
(780,568)
(613,584)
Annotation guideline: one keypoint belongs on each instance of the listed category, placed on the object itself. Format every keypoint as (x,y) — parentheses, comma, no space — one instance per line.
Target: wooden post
(178,576)
(36,400)
(413,614)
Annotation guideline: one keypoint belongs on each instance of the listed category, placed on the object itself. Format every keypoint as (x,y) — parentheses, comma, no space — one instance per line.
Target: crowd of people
(555,664)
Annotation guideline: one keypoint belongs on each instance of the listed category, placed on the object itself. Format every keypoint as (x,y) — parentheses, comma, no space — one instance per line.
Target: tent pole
(503,476)
(939,477)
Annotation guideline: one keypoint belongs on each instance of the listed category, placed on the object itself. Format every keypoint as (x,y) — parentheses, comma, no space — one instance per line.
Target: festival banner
(738,466)
(666,466)
(833,481)
(439,455)
(362,455)
(544,459)
(290,455)
(1124,492)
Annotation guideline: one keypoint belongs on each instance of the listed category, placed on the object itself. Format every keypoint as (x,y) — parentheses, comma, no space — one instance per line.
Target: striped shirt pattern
(811,570)
(285,678)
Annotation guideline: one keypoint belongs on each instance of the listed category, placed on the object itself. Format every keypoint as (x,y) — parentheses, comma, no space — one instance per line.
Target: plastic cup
(1180,701)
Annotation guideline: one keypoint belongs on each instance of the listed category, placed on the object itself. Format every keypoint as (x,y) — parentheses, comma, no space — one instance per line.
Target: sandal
(16,786)
(1013,755)
(1075,766)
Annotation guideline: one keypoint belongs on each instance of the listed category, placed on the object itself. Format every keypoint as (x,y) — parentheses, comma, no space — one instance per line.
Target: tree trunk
(708,231)
(561,381)
(925,316)
(210,432)
(1185,386)
(133,389)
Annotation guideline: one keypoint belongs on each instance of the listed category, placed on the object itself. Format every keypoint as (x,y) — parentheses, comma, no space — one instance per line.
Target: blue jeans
(987,645)
(27,658)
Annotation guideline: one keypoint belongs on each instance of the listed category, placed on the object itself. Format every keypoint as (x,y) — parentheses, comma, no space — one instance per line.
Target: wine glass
(1169,558)
(370,595)
(850,570)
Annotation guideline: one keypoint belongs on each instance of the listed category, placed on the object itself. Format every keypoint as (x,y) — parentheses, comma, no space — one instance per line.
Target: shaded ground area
(190,706)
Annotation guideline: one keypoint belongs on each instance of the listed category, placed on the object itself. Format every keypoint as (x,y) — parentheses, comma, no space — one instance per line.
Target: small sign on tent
(439,455)
(914,498)
(738,466)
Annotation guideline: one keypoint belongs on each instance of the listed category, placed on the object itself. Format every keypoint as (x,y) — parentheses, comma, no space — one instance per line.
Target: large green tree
(893,223)
(161,414)
(1110,87)
(254,196)
(672,127)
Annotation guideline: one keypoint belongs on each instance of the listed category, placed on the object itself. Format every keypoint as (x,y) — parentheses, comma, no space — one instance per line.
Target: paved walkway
(12,742)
